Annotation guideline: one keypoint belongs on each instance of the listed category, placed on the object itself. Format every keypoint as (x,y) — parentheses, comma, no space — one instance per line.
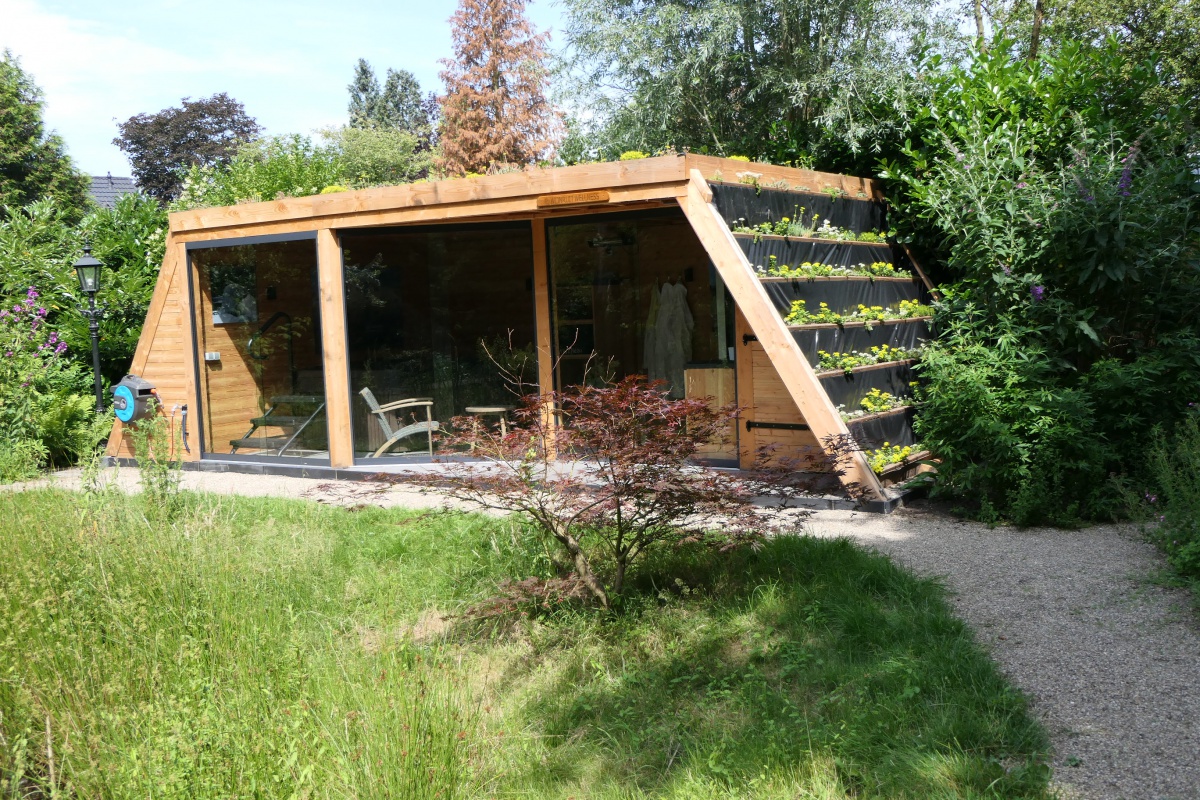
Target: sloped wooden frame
(747,290)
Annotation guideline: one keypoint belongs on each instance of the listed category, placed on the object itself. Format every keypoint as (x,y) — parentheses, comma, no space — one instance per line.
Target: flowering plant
(41,417)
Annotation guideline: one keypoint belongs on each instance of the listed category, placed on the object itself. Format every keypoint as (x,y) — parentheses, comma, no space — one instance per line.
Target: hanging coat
(648,352)
(673,337)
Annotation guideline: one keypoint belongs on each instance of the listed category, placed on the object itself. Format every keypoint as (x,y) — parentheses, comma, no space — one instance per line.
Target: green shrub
(1069,331)
(1175,467)
(43,420)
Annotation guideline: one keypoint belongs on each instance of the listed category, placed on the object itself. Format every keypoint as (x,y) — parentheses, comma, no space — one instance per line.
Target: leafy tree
(379,156)
(398,106)
(278,166)
(1064,204)
(33,163)
(1165,31)
(38,246)
(201,133)
(495,110)
(737,76)
(630,488)
(401,106)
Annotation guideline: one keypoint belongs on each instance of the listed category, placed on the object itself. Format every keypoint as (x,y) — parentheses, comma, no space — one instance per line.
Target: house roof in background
(106,189)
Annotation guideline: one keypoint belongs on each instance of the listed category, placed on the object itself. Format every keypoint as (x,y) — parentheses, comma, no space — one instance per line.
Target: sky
(99,63)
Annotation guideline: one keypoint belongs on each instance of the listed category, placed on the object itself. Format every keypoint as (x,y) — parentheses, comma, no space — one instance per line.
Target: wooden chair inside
(393,435)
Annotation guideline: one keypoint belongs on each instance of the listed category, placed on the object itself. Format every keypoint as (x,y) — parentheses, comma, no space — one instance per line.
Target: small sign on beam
(573,198)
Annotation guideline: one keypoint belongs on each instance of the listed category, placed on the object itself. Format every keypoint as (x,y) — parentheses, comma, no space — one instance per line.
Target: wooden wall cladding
(162,354)
(765,399)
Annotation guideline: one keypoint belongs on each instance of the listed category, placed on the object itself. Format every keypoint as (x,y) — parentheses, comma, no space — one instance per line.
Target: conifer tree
(495,110)
(400,105)
(364,95)
(33,162)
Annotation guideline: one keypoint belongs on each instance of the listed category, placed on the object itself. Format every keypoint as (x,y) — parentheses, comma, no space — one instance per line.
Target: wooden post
(333,348)
(772,332)
(545,328)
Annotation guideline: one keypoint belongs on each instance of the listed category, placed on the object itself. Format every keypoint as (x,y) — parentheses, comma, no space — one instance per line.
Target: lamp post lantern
(88,270)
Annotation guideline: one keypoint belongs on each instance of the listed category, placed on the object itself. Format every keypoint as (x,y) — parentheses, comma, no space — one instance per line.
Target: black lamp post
(88,270)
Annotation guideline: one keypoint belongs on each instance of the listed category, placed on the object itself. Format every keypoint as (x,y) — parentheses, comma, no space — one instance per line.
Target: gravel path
(1110,659)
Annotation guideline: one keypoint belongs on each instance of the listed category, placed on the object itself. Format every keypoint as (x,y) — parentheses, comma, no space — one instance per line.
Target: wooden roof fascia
(797,374)
(620,199)
(769,173)
(471,191)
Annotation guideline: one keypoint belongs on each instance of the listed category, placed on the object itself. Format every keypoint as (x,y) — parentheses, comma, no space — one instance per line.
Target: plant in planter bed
(876,402)
(809,269)
(906,309)
(880,354)
(884,457)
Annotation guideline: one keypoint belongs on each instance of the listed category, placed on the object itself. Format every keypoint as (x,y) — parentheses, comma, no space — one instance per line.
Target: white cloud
(288,61)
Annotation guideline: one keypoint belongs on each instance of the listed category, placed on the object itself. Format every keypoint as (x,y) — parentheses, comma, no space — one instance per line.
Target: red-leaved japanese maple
(611,479)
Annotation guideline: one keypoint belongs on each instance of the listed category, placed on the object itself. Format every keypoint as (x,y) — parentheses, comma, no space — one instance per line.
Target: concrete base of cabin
(896,498)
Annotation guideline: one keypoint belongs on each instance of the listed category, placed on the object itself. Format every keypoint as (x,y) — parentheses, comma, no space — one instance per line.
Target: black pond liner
(843,295)
(791,252)
(893,427)
(754,206)
(849,390)
(905,333)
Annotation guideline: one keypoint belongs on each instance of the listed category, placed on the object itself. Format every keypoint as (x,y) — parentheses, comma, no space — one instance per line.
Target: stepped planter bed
(906,334)
(895,378)
(843,292)
(894,425)
(760,202)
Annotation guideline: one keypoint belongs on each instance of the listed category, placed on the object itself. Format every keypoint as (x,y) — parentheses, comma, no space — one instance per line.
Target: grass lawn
(276,648)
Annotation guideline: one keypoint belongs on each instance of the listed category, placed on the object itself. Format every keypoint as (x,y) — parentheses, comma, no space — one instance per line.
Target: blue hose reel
(132,398)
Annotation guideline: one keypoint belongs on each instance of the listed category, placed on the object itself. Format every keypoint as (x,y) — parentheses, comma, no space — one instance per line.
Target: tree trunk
(979,21)
(1035,37)
(582,567)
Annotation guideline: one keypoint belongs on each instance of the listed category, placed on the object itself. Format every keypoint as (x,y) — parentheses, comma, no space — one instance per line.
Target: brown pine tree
(495,110)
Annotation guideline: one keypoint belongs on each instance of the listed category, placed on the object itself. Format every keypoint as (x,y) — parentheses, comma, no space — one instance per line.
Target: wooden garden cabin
(270,319)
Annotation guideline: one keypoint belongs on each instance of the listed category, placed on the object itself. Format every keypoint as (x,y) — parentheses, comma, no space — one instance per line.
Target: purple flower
(1007,270)
(1037,293)
(1126,181)
(32,294)
(1022,185)
(62,348)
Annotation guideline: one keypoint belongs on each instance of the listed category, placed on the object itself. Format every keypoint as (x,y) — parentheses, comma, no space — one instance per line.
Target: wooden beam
(772,332)
(522,208)
(333,348)
(191,356)
(545,328)
(524,185)
(541,308)
(744,365)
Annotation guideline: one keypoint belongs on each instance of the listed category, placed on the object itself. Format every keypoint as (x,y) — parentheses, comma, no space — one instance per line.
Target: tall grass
(269,648)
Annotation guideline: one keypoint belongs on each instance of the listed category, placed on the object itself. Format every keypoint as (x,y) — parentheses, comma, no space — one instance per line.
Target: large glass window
(634,294)
(442,317)
(261,373)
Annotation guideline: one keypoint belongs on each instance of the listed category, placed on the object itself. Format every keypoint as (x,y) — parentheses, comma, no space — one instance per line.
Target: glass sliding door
(441,316)
(261,369)
(635,294)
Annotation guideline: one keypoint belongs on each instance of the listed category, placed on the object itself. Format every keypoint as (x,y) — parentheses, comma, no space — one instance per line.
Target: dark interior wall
(605,271)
